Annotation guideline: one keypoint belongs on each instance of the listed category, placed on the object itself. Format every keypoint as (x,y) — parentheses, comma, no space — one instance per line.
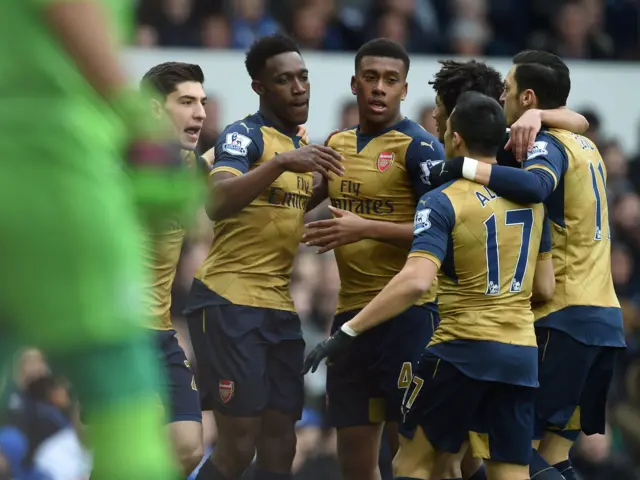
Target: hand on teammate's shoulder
(522,134)
(446,171)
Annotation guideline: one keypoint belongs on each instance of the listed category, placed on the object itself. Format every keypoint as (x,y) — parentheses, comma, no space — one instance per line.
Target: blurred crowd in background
(590,29)
(42,405)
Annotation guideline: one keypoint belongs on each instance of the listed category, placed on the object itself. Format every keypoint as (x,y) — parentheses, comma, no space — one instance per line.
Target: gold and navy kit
(580,330)
(251,256)
(244,330)
(481,366)
(385,175)
(162,250)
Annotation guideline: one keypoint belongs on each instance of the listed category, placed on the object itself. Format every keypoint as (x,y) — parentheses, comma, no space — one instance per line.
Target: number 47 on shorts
(406,380)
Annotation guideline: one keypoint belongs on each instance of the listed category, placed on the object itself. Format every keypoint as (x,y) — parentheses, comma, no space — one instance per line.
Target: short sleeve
(545,241)
(432,226)
(240,146)
(423,153)
(548,155)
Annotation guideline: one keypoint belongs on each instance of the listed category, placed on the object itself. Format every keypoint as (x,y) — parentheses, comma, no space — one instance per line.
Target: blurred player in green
(71,272)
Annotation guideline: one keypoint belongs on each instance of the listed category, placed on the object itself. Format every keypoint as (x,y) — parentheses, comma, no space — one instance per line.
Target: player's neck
(371,128)
(276,122)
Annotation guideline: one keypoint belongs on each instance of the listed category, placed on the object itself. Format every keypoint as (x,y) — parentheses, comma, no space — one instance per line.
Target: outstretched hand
(343,229)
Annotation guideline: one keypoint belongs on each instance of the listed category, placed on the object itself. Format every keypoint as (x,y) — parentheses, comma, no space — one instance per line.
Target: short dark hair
(383,47)
(264,48)
(455,78)
(481,123)
(165,77)
(544,73)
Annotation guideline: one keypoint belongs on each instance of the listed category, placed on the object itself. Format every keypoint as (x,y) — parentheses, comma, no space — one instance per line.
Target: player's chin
(298,114)
(380,118)
(188,143)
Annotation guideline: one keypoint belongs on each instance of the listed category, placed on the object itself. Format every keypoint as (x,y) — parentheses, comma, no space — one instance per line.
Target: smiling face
(185,107)
(380,85)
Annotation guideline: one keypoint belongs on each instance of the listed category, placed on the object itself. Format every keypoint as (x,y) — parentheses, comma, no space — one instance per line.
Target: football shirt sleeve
(237,148)
(433,223)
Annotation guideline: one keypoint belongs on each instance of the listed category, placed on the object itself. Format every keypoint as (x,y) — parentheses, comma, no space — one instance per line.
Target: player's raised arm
(544,281)
(433,222)
(523,133)
(542,172)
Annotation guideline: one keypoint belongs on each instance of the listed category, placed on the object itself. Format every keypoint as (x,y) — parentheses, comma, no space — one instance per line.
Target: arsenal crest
(226,388)
(385,160)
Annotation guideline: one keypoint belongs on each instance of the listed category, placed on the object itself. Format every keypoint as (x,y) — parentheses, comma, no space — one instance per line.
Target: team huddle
(476,317)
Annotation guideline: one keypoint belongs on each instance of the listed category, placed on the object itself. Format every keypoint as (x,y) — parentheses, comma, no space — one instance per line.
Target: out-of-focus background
(600,39)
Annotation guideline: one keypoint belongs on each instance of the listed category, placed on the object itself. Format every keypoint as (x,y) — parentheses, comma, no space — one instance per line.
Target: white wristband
(348,330)
(469,167)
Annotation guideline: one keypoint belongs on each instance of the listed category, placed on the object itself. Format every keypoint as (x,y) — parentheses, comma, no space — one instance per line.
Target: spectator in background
(394,25)
(250,21)
(211,128)
(309,24)
(470,32)
(349,115)
(574,34)
(594,133)
(617,170)
(386,18)
(216,32)
(13,450)
(174,24)
(427,120)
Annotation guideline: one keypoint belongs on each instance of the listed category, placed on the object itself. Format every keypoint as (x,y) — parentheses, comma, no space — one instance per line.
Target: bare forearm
(399,294)
(320,193)
(398,234)
(564,118)
(82,29)
(230,194)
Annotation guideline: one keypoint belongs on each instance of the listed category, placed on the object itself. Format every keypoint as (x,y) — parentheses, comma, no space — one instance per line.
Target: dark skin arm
(320,192)
(231,193)
(347,227)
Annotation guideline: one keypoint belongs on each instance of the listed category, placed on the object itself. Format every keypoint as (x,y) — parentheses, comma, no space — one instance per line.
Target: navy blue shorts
(249,359)
(365,384)
(184,399)
(497,418)
(574,384)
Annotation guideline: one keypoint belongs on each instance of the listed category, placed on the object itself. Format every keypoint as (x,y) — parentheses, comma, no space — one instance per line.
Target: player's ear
(257,87)
(353,84)
(157,110)
(405,91)
(458,141)
(528,98)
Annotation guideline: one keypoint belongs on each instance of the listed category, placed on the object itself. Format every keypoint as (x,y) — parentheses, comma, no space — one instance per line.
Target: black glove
(336,343)
(446,171)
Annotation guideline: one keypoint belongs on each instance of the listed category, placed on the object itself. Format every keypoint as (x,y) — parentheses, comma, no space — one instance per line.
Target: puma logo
(429,144)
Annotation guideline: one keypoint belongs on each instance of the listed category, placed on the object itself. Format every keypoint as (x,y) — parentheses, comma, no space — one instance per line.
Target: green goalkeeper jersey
(43,95)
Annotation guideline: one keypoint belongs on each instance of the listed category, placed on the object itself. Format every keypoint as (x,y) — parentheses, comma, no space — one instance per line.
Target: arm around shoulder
(564,118)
